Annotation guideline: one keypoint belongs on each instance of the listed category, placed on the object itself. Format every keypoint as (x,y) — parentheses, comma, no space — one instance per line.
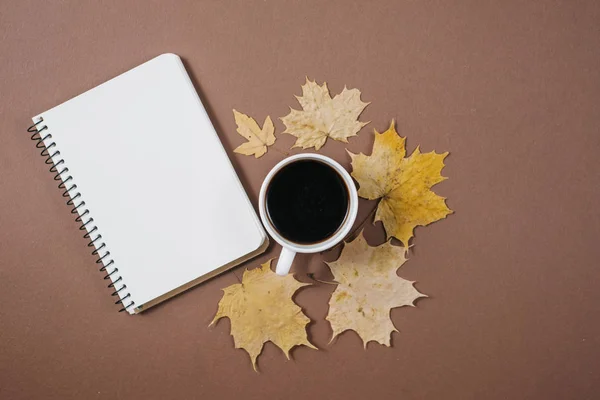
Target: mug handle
(285,261)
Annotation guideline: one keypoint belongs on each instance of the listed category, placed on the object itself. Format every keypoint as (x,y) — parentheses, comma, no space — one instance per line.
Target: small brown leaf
(258,139)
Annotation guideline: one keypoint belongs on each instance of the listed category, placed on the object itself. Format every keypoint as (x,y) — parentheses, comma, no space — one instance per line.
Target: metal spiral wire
(70,192)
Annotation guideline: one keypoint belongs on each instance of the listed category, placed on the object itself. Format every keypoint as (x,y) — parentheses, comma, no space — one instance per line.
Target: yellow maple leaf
(261,309)
(368,288)
(322,117)
(402,184)
(258,139)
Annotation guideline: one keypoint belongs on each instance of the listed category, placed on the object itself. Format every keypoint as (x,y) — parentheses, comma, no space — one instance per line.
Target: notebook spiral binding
(36,136)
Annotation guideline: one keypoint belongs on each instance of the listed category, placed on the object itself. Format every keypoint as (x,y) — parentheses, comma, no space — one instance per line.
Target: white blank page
(155,177)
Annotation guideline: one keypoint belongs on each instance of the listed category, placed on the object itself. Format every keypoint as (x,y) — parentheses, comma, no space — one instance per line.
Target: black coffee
(307,201)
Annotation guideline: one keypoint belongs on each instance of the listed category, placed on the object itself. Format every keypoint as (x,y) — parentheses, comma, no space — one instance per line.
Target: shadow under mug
(289,249)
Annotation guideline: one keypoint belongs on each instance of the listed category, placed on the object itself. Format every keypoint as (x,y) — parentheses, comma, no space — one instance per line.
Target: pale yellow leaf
(258,138)
(322,117)
(402,183)
(261,309)
(367,289)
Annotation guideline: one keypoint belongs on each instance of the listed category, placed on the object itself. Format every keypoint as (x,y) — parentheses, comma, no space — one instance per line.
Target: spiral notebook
(150,184)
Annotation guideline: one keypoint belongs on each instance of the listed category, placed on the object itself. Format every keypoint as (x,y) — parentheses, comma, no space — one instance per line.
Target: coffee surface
(307,201)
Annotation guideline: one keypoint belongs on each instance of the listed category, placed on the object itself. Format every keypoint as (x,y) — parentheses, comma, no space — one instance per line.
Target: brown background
(510,88)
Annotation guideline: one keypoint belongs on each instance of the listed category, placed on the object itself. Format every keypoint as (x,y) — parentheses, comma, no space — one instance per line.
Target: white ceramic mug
(289,249)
